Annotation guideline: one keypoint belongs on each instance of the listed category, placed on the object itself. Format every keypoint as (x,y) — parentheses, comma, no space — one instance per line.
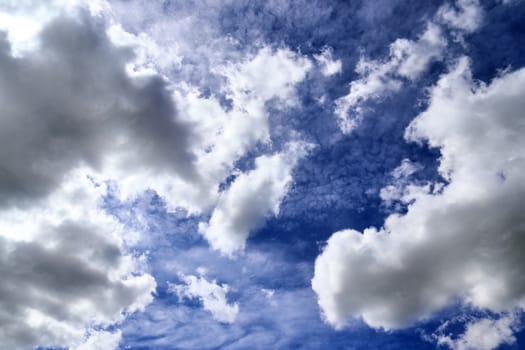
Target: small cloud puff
(210,293)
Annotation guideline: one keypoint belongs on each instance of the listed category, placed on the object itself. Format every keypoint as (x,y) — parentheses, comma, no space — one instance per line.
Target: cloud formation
(211,294)
(407,60)
(71,103)
(80,100)
(71,112)
(226,135)
(481,334)
(463,240)
(65,269)
(251,196)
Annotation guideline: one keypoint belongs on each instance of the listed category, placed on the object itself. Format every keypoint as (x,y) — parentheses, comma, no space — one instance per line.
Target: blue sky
(262,174)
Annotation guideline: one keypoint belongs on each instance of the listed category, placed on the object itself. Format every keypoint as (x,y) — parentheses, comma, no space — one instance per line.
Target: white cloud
(465,16)
(190,147)
(101,340)
(71,110)
(482,334)
(401,187)
(222,136)
(211,294)
(329,66)
(465,241)
(407,60)
(251,197)
(65,269)
(228,135)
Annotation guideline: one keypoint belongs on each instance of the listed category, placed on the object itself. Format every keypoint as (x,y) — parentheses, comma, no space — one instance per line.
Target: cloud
(23,20)
(65,269)
(464,240)
(251,196)
(329,66)
(71,111)
(227,135)
(465,16)
(101,340)
(481,334)
(71,103)
(407,60)
(221,135)
(211,294)
(401,185)
(76,106)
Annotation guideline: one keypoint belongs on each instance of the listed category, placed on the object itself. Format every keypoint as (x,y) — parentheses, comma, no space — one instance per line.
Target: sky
(308,174)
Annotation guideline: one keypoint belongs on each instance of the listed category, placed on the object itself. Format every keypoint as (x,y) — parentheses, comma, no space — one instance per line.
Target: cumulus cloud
(481,334)
(71,110)
(65,269)
(219,135)
(228,135)
(463,241)
(211,294)
(251,197)
(70,103)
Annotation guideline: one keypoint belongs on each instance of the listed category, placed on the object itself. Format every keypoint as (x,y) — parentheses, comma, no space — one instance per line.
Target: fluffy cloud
(463,240)
(101,340)
(329,66)
(401,185)
(65,269)
(220,135)
(481,334)
(250,197)
(226,135)
(70,111)
(211,294)
(407,59)
(466,16)
(71,103)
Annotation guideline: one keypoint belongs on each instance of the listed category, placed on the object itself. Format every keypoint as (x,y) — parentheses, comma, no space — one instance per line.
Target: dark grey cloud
(64,269)
(70,109)
(71,103)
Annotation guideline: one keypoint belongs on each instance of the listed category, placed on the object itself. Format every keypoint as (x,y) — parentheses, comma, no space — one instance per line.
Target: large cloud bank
(463,239)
